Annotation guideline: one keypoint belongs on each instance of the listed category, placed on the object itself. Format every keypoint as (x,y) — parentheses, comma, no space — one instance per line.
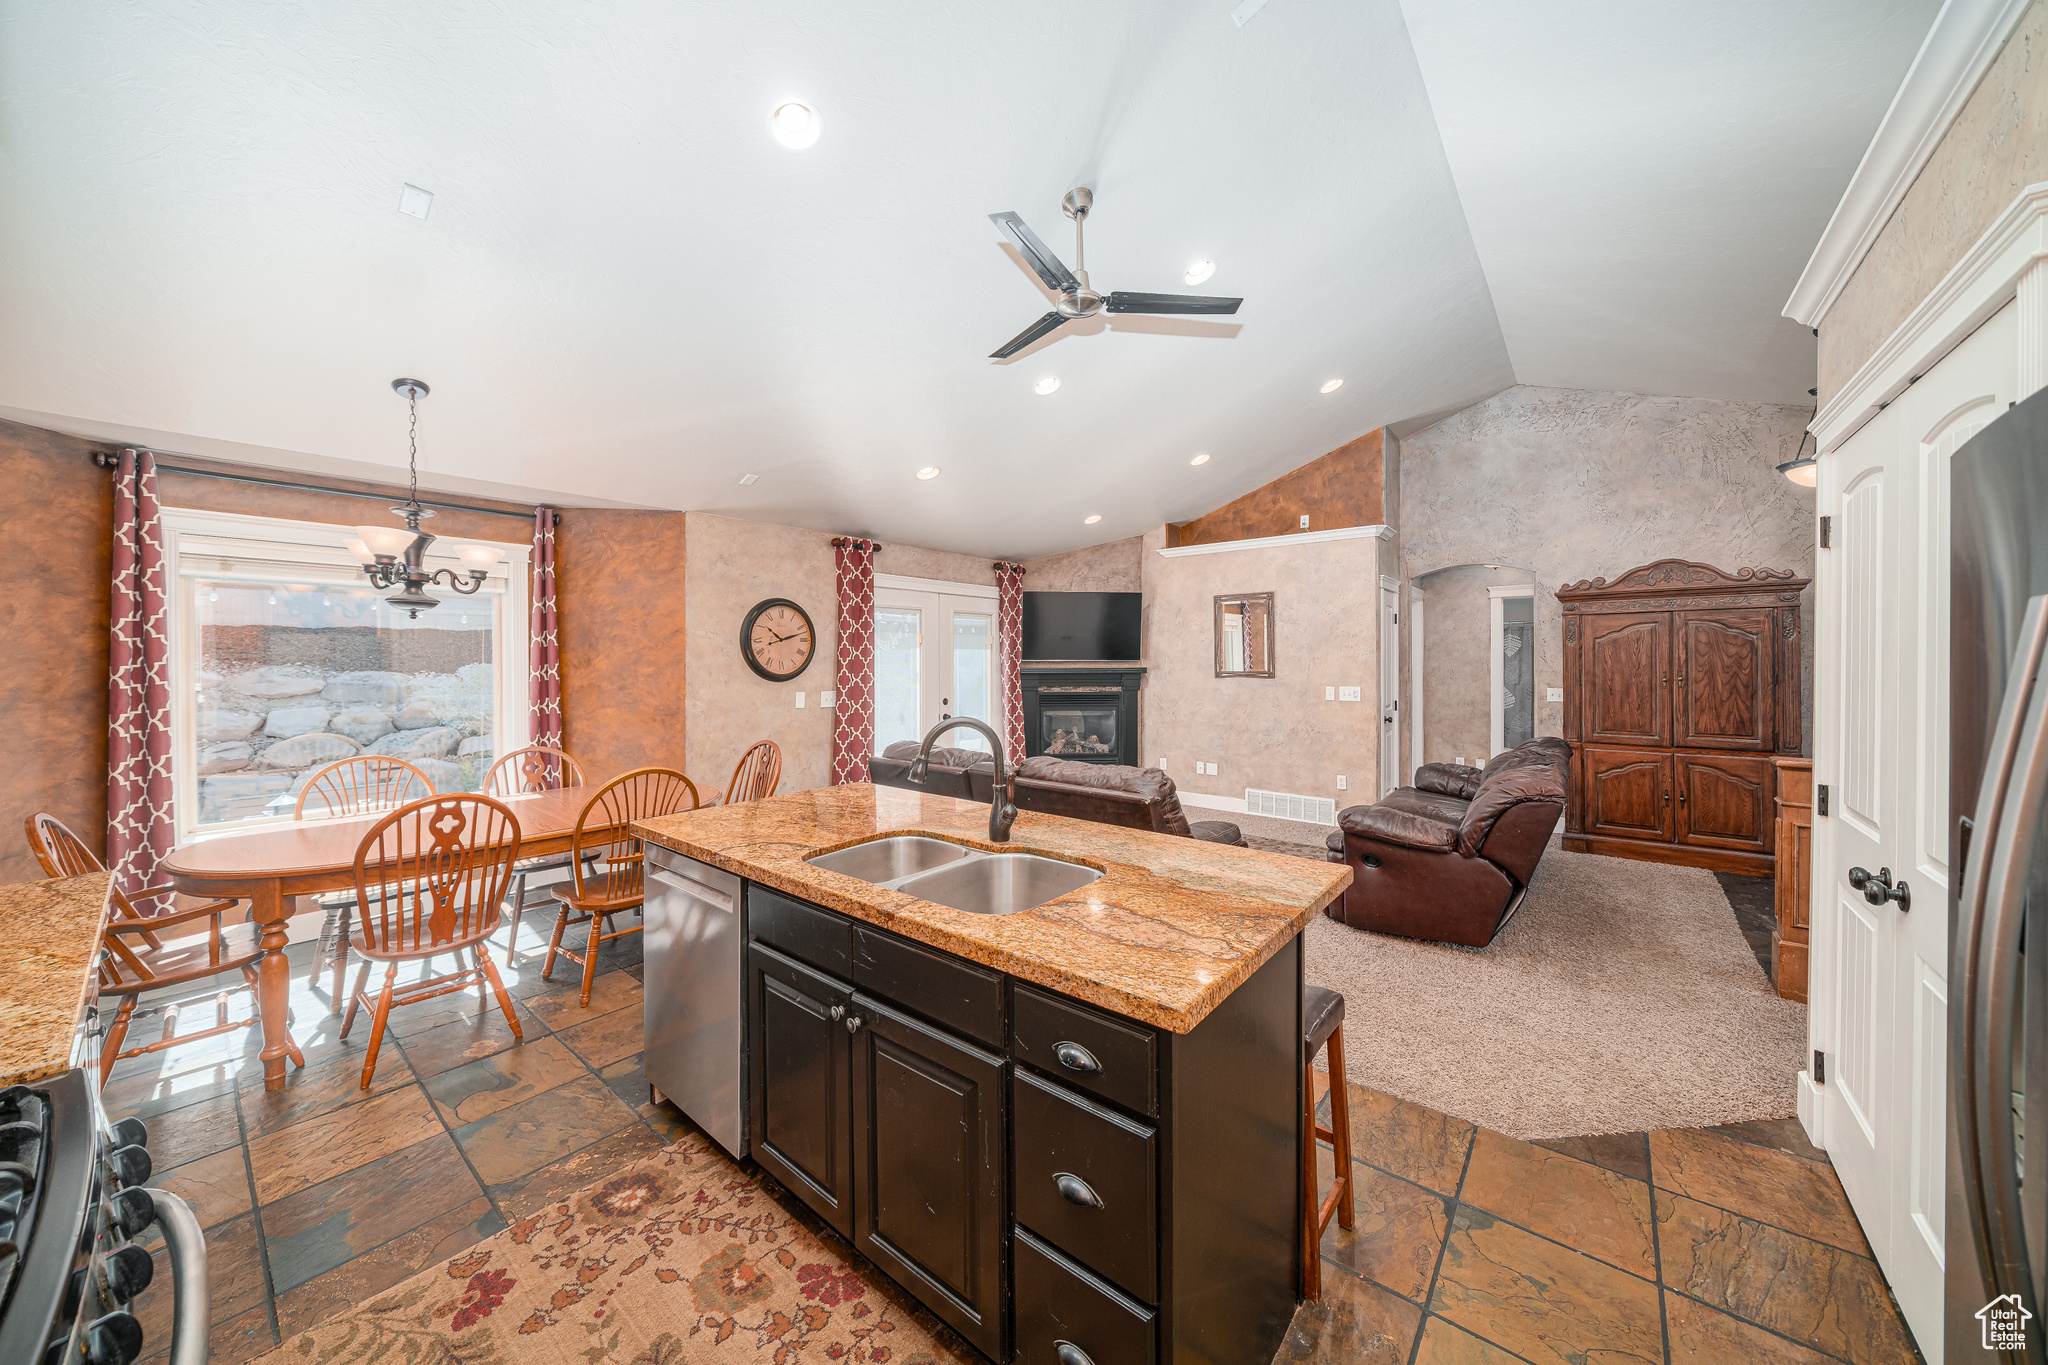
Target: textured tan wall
(1342,488)
(732,566)
(1457,661)
(1117,566)
(1568,484)
(619,578)
(57,523)
(1276,733)
(1997,146)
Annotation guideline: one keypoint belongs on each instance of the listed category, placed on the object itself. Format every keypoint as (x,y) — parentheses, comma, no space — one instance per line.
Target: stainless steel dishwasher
(694,1045)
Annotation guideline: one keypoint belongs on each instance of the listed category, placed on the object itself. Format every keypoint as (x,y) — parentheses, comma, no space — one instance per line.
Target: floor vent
(1319,810)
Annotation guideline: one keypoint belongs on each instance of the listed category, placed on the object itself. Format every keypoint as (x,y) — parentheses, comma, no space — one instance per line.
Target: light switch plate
(799,701)
(1553,694)
(1348,694)
(827,698)
(1304,521)
(1340,784)
(1329,694)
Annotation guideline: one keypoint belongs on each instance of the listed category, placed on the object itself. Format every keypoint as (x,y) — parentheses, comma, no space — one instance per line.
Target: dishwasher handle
(191,1303)
(709,894)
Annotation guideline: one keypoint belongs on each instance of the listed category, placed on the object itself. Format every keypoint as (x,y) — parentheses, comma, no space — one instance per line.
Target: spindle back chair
(357,785)
(604,835)
(536,768)
(758,774)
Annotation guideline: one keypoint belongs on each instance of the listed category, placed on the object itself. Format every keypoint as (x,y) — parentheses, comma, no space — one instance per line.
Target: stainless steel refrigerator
(1997,1235)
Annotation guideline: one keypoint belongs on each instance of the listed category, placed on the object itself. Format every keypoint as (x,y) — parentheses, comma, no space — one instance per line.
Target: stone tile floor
(1470,1248)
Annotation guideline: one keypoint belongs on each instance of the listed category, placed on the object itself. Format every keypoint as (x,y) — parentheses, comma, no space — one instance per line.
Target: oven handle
(187,1247)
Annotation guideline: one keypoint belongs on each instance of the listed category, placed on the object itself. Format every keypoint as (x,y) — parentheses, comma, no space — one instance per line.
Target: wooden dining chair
(430,879)
(358,785)
(758,774)
(604,832)
(536,768)
(134,959)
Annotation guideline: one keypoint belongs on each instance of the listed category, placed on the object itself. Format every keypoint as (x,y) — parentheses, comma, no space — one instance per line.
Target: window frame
(261,549)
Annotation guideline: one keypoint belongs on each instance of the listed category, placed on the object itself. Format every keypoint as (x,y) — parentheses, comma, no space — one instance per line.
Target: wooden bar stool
(1322,1021)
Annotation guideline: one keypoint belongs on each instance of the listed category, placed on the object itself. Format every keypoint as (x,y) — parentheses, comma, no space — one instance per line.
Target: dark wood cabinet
(799,1056)
(929,1166)
(1681,682)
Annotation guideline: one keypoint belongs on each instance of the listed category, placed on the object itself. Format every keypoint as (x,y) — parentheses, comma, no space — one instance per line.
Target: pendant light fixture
(394,555)
(1804,471)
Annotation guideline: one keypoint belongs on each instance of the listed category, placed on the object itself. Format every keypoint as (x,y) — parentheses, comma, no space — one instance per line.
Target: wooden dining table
(268,866)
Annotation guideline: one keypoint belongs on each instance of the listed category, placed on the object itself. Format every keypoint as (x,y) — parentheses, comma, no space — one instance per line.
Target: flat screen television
(1092,626)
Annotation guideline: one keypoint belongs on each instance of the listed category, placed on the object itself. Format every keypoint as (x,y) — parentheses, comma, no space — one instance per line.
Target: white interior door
(934,660)
(1881,740)
(1416,714)
(1390,685)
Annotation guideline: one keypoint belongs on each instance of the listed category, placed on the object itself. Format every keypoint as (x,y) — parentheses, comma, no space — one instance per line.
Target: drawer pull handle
(1075,1190)
(1074,1057)
(1070,1354)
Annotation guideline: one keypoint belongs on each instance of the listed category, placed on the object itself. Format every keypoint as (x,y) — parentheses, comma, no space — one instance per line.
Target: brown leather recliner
(1449,858)
(1113,794)
(969,774)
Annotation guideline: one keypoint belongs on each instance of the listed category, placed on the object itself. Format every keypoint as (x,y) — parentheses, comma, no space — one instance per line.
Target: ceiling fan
(1077,299)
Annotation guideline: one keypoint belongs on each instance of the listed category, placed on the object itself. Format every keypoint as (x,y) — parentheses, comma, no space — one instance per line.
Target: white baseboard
(1810,1109)
(1230,803)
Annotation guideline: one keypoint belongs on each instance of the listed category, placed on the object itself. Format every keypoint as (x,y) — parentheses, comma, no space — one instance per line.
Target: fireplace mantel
(1100,696)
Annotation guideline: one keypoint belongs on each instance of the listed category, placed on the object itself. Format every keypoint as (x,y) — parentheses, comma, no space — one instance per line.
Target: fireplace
(1090,715)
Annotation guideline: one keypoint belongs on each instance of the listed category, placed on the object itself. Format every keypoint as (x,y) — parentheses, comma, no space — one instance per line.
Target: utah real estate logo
(2005,1323)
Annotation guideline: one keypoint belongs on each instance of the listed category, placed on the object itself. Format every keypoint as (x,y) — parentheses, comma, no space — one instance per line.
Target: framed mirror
(1244,635)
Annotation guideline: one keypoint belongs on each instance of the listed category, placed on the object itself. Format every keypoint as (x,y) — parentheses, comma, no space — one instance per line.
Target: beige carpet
(1621,998)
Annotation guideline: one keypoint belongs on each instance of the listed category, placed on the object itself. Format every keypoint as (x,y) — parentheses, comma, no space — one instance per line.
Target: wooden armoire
(1681,683)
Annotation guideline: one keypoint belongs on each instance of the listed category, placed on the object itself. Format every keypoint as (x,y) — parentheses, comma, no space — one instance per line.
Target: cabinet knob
(836,1013)
(1074,1057)
(853,1023)
(1070,1354)
(1075,1190)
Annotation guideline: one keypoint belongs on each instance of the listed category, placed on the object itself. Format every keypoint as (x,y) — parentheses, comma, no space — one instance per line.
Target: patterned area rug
(678,1259)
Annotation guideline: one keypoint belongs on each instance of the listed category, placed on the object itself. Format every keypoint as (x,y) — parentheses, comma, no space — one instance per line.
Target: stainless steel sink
(889,860)
(999,883)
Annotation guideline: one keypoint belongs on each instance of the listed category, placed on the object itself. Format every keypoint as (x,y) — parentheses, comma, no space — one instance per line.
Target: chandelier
(394,555)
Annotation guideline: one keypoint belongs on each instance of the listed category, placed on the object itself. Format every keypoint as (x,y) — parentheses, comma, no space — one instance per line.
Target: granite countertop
(49,944)
(1169,930)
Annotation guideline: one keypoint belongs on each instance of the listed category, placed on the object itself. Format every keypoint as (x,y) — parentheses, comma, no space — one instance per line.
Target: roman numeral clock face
(778,640)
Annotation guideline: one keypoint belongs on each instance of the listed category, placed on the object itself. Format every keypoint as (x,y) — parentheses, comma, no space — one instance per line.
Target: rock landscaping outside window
(292,677)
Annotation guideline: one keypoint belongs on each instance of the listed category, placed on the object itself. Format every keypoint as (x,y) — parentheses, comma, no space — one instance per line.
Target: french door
(1881,748)
(935,659)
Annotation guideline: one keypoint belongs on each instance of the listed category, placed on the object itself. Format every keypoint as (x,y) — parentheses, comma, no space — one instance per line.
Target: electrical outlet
(1461,760)
(1340,783)
(1553,694)
(1348,694)
(799,701)
(1212,770)
(1304,521)
(1329,694)
(827,698)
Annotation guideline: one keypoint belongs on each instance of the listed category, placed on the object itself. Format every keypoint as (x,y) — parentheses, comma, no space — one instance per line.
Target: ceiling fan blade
(1045,326)
(1036,254)
(1122,302)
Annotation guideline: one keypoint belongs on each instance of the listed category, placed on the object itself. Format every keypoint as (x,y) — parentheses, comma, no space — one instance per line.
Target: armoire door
(1723,694)
(1628,793)
(1626,678)
(1725,802)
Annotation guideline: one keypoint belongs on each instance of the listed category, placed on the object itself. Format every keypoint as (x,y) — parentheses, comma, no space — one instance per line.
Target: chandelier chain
(413,440)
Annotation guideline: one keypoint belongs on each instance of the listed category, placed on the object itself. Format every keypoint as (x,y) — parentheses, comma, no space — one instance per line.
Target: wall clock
(777,639)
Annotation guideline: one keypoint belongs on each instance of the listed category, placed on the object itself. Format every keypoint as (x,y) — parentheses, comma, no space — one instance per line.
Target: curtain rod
(109,460)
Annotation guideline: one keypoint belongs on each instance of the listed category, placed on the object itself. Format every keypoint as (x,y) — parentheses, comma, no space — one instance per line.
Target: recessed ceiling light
(1046,385)
(1199,459)
(796,126)
(746,480)
(930,471)
(1333,386)
(1199,272)
(1090,521)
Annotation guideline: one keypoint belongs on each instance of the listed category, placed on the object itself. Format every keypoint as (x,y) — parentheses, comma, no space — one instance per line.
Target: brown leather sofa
(1107,793)
(1449,858)
(1113,794)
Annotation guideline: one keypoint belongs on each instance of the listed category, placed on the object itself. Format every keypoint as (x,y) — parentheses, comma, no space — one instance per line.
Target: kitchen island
(1072,1131)
(49,946)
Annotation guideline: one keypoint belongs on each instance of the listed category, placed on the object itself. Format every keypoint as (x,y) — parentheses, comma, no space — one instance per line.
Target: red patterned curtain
(545,689)
(1010,651)
(853,726)
(140,828)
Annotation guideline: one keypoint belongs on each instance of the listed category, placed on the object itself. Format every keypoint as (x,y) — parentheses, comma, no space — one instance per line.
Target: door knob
(1878,887)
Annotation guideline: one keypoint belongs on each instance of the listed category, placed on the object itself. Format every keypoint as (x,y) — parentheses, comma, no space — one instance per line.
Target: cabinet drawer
(1085,1048)
(1059,1303)
(945,990)
(805,932)
(1061,1139)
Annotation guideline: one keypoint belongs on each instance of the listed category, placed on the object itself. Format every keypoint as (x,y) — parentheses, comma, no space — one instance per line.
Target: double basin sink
(952,875)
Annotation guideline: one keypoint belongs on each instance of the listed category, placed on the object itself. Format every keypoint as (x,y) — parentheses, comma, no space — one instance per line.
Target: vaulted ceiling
(627,292)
